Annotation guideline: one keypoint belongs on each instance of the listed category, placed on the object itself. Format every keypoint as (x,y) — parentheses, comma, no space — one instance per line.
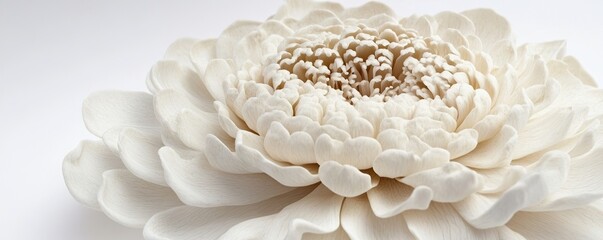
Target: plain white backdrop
(54,53)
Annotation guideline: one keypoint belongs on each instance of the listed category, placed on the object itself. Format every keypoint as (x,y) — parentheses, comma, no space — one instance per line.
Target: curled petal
(105,110)
(359,152)
(83,168)
(391,198)
(139,154)
(318,213)
(131,201)
(345,180)
(198,184)
(580,223)
(450,183)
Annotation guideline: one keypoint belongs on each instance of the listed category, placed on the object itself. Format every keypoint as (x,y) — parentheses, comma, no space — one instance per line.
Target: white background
(54,53)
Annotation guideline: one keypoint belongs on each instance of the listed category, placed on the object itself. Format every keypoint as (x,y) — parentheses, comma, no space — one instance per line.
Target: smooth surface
(55,53)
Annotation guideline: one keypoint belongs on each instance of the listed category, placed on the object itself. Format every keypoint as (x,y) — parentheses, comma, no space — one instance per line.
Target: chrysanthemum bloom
(332,123)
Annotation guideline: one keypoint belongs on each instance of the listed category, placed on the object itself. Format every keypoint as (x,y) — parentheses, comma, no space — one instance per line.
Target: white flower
(332,123)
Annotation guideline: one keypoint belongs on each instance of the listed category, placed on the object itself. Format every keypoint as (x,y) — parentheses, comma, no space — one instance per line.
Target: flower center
(366,62)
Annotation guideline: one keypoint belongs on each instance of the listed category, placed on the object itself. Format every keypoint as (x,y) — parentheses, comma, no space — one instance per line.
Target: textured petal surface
(316,213)
(359,222)
(188,222)
(131,201)
(581,223)
(198,184)
(83,170)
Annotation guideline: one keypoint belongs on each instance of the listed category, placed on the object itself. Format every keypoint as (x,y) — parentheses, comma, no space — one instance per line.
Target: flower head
(351,123)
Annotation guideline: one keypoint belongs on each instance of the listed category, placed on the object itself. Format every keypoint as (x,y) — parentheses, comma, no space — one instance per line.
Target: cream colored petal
(296,148)
(339,234)
(492,153)
(131,201)
(191,223)
(419,24)
(319,17)
(503,52)
(367,10)
(180,51)
(359,152)
(394,163)
(298,9)
(498,180)
(215,78)
(172,75)
(489,26)
(228,120)
(345,180)
(537,134)
(249,148)
(441,221)
(138,151)
(231,35)
(198,184)
(83,168)
(255,107)
(482,104)
(543,178)
(391,198)
(450,183)
(546,50)
(576,68)
(194,126)
(316,213)
(581,223)
(220,157)
(360,223)
(201,53)
(451,20)
(109,109)
(584,184)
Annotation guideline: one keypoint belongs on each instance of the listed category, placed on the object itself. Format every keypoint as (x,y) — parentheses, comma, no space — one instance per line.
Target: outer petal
(441,221)
(198,184)
(250,150)
(489,26)
(298,9)
(345,180)
(138,151)
(231,35)
(131,201)
(391,198)
(83,168)
(449,183)
(188,222)
(109,109)
(316,213)
(581,223)
(360,223)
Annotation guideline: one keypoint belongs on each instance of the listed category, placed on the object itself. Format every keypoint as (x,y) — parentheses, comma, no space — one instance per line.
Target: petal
(391,198)
(109,109)
(230,36)
(216,76)
(298,9)
(546,50)
(249,148)
(367,10)
(581,223)
(201,53)
(447,20)
(83,168)
(180,50)
(359,152)
(345,180)
(489,26)
(339,234)
(543,178)
(220,157)
(578,70)
(359,222)
(194,126)
(296,148)
(138,151)
(316,213)
(198,184)
(450,183)
(188,222)
(172,75)
(584,184)
(394,163)
(494,152)
(131,201)
(441,221)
